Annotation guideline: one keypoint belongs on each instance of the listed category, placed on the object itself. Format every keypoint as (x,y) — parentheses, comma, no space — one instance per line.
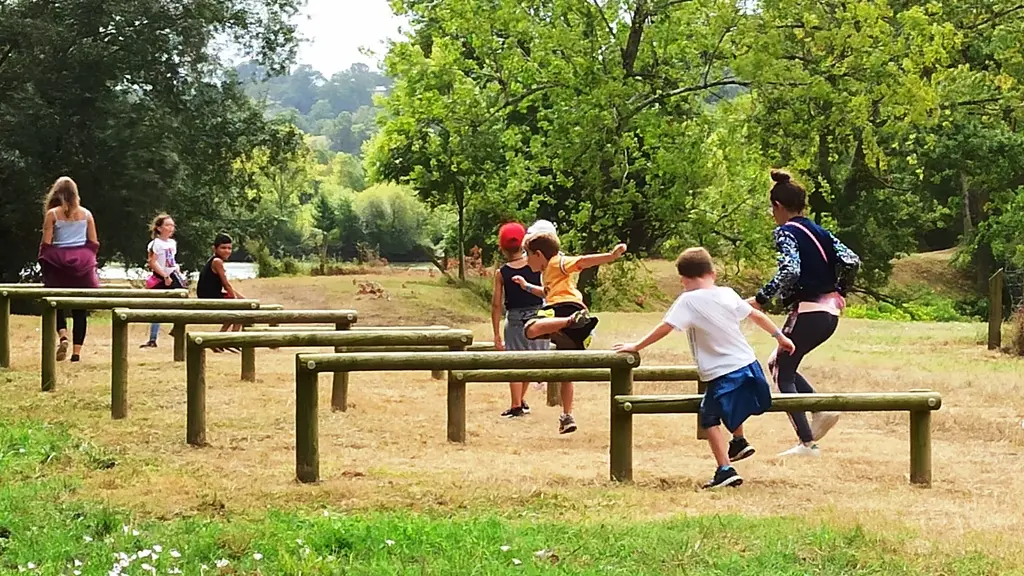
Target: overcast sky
(336,30)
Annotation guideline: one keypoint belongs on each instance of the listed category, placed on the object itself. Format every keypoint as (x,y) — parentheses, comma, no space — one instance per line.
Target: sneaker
(822,422)
(514,412)
(526,407)
(739,449)
(724,477)
(150,344)
(76,358)
(566,424)
(62,350)
(802,450)
(579,319)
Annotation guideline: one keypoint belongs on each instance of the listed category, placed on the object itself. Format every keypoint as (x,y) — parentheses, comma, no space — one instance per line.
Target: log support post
(307,433)
(621,441)
(5,330)
(339,380)
(702,434)
(118,367)
(456,405)
(48,350)
(178,333)
(195,433)
(921,448)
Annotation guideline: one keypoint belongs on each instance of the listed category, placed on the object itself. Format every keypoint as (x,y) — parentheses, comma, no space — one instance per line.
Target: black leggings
(809,331)
(78,331)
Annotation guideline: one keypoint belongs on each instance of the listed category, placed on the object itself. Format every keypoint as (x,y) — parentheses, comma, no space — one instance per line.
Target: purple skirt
(69,267)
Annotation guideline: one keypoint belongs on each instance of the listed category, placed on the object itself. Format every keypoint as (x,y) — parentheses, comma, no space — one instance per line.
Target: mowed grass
(47,527)
(388,470)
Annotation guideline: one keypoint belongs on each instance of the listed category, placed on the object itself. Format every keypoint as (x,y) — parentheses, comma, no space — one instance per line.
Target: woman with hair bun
(815,271)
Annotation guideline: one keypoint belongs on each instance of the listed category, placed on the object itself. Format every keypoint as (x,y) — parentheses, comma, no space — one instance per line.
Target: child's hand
(626,348)
(619,250)
(520,281)
(785,343)
(499,345)
(167,280)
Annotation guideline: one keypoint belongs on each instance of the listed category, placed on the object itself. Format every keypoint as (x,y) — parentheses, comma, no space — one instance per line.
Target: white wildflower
(221,563)
(389,542)
(506,548)
(77,573)
(326,513)
(175,554)
(145,553)
(257,556)
(135,532)
(87,538)
(158,548)
(148,568)
(78,563)
(31,566)
(516,561)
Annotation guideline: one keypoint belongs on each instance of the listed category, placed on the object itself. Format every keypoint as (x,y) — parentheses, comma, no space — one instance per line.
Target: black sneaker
(526,407)
(739,449)
(724,477)
(76,358)
(514,412)
(150,344)
(566,424)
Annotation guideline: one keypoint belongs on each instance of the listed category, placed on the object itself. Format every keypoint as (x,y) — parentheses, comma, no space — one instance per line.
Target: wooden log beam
(307,431)
(343,338)
(474,347)
(921,448)
(5,332)
(48,351)
(38,293)
(112,285)
(620,447)
(371,362)
(171,315)
(149,304)
(640,374)
(852,402)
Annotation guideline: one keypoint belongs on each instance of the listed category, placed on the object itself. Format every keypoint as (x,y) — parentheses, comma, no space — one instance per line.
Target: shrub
(626,285)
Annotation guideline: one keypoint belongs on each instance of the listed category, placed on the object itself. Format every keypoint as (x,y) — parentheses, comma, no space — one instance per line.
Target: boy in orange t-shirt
(564,318)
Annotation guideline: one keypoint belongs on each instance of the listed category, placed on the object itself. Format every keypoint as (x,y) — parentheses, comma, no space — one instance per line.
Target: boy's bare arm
(766,324)
(591,260)
(218,269)
(660,331)
(496,311)
(537,291)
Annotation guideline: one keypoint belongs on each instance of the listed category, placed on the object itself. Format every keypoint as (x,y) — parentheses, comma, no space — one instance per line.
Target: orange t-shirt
(559,280)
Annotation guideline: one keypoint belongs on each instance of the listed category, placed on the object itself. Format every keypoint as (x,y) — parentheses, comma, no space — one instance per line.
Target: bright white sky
(334,32)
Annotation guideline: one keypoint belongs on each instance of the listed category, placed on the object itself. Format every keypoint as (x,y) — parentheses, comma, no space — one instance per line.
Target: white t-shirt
(711,319)
(165,251)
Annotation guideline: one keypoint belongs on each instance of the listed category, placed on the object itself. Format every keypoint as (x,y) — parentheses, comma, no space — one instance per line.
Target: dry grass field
(389,450)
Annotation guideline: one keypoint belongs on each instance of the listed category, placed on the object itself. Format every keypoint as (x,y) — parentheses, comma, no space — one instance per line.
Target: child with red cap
(519,306)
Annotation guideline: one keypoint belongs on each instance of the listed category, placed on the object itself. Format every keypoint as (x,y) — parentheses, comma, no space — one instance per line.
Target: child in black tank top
(213,280)
(518,306)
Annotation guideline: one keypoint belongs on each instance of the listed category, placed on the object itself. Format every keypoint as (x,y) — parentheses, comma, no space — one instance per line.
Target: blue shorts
(734,397)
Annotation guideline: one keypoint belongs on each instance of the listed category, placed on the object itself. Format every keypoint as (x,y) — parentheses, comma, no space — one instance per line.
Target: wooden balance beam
(122,317)
(9,292)
(919,403)
(308,366)
(199,342)
(48,373)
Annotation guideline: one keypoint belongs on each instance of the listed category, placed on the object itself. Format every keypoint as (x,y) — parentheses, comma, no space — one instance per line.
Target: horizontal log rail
(640,374)
(199,342)
(9,292)
(919,403)
(309,366)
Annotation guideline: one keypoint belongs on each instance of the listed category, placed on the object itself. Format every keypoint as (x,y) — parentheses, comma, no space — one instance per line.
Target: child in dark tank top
(518,306)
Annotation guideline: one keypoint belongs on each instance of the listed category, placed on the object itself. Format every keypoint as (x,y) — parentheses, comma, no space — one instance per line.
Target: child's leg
(517,390)
(719,447)
(541,327)
(568,392)
(154,332)
(78,330)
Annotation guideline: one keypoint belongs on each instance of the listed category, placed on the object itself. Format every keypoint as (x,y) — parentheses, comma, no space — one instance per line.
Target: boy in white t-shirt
(736,386)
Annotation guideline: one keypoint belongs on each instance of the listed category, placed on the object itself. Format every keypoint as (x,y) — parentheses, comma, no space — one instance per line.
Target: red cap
(510,236)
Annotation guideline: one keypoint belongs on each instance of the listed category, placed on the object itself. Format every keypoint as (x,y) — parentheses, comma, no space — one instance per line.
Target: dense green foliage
(654,123)
(48,526)
(130,99)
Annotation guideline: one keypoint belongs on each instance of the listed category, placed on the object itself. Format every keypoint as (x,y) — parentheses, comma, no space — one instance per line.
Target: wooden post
(339,389)
(995,310)
(178,333)
(554,393)
(437,374)
(307,433)
(248,364)
(921,448)
(702,434)
(48,350)
(195,427)
(339,381)
(620,449)
(5,330)
(118,367)
(456,406)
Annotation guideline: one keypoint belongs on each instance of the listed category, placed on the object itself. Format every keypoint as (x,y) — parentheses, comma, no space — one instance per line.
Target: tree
(130,100)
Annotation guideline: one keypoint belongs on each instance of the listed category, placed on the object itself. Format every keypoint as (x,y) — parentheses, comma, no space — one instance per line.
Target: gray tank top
(71,233)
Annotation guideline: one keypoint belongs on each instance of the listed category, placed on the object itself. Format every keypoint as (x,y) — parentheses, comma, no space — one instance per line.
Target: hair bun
(780,176)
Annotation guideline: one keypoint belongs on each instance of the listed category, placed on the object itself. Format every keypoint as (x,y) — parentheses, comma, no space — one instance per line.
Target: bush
(290,266)
(268,266)
(926,307)
(392,219)
(626,285)
(1017,332)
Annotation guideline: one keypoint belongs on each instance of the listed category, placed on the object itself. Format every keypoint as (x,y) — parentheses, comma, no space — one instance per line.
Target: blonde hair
(545,243)
(63,194)
(154,227)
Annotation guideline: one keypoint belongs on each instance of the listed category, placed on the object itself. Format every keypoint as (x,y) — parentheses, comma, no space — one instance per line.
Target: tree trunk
(965,193)
(460,200)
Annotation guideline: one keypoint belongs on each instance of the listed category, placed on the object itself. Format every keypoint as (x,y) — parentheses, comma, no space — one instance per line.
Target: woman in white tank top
(67,256)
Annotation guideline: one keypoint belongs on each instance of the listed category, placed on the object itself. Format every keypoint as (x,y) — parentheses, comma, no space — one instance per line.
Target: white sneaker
(821,423)
(802,450)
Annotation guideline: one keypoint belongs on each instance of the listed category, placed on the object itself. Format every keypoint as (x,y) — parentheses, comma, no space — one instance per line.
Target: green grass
(48,527)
